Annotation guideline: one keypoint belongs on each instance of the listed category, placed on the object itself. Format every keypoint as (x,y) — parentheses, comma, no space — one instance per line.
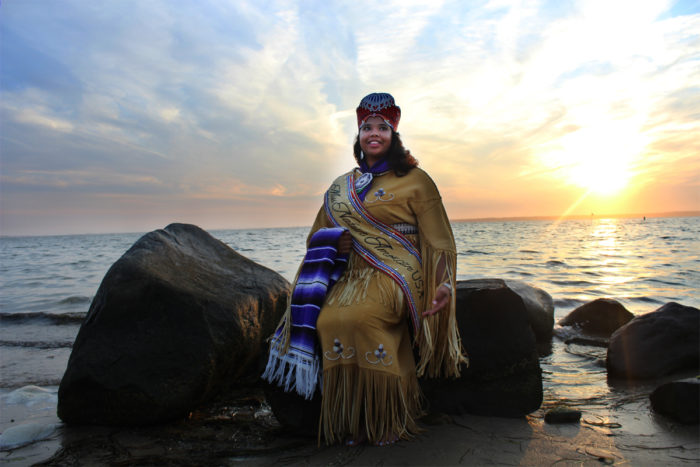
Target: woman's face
(375,139)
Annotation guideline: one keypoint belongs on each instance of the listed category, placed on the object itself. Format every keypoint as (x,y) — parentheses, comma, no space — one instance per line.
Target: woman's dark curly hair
(400,159)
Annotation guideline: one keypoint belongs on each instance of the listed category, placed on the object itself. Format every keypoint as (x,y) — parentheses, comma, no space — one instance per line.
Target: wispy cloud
(511,106)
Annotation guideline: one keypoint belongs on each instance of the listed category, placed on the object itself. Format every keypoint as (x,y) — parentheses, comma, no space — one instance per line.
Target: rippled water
(47,283)
(642,263)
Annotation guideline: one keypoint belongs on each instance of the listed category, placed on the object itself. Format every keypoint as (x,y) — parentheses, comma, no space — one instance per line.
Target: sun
(597,158)
(604,174)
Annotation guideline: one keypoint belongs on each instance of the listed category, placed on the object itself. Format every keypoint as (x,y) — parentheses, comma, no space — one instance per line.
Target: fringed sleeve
(440,348)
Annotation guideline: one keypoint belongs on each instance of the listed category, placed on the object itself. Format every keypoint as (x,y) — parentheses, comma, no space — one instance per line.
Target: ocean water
(47,284)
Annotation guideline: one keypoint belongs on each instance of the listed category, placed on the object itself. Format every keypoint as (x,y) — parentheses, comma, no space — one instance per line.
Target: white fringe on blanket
(294,371)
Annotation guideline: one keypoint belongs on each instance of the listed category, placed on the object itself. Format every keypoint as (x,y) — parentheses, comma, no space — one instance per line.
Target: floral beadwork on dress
(338,351)
(379,356)
(380,195)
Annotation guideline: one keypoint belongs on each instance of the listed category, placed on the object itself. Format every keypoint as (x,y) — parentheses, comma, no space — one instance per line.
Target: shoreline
(618,427)
(243,431)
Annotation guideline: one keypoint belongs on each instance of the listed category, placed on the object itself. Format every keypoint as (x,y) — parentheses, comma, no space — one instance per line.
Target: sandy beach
(243,431)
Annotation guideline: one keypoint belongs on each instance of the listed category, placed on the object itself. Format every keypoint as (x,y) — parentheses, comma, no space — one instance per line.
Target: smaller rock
(600,317)
(292,411)
(504,378)
(603,456)
(562,414)
(656,344)
(678,400)
(539,307)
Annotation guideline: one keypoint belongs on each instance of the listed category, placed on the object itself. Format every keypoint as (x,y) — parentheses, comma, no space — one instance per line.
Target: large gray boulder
(504,376)
(601,317)
(177,318)
(659,343)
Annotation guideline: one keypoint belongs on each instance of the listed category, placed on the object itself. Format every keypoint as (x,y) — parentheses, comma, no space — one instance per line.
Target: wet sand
(242,431)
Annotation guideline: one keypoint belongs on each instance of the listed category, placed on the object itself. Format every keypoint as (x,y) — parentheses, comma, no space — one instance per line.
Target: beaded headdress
(379,104)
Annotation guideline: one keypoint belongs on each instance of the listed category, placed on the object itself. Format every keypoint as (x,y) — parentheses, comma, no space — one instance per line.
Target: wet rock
(504,377)
(562,414)
(236,428)
(678,400)
(601,317)
(293,412)
(177,318)
(659,343)
(603,456)
(539,307)
(538,304)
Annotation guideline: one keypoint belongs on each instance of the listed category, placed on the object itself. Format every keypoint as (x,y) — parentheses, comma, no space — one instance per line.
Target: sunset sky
(125,116)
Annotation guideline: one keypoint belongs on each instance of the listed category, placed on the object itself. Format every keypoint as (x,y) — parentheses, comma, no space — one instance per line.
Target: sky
(125,116)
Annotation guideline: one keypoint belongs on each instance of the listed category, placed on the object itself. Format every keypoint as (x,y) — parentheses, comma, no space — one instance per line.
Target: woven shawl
(299,367)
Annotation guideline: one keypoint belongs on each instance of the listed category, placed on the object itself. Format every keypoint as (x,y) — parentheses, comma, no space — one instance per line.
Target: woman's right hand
(345,243)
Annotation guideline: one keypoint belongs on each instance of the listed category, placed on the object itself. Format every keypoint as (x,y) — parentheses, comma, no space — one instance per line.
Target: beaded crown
(379,104)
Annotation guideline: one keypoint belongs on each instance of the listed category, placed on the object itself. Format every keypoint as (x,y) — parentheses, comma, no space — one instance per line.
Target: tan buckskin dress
(370,385)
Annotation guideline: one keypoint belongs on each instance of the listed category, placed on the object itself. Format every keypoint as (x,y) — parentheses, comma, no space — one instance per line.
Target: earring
(362,155)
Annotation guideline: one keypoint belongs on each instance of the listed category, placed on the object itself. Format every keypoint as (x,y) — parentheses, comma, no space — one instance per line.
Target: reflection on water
(641,263)
(575,373)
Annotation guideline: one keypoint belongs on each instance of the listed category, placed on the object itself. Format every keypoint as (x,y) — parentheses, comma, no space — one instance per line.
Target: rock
(292,411)
(539,307)
(538,304)
(601,317)
(562,414)
(504,377)
(659,343)
(678,400)
(177,318)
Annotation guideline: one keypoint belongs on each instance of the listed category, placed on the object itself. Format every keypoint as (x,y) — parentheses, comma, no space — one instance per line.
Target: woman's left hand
(442,298)
(345,243)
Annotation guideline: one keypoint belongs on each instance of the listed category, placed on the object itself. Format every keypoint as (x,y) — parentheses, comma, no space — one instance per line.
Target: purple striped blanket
(300,367)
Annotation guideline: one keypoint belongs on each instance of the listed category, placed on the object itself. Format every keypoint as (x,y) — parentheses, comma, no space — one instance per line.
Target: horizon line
(467,219)
(582,216)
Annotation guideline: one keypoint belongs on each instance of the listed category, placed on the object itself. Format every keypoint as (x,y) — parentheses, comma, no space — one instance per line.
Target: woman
(396,292)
